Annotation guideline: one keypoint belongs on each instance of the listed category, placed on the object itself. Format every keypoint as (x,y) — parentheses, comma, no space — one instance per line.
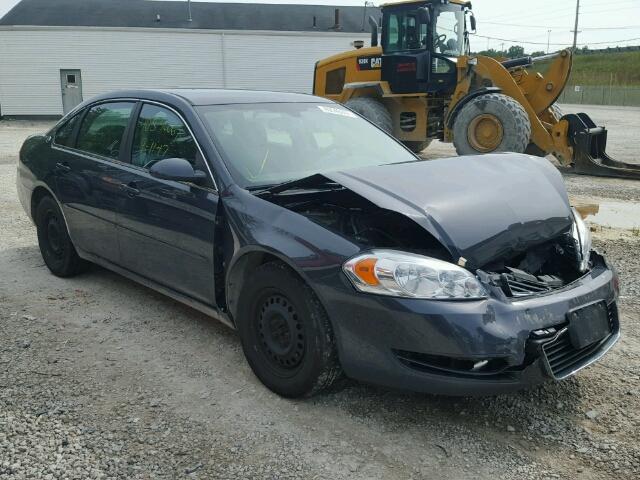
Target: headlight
(388,272)
(582,238)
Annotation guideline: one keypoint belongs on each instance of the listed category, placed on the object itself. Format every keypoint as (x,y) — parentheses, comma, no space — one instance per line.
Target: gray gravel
(103,378)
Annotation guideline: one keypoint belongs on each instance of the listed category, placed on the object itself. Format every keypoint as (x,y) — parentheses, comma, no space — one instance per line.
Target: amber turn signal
(365,270)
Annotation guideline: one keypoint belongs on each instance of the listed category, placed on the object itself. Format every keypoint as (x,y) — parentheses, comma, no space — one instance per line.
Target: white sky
(611,23)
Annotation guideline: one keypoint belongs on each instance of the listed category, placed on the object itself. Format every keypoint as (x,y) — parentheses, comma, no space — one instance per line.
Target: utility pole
(189,8)
(548,39)
(575,28)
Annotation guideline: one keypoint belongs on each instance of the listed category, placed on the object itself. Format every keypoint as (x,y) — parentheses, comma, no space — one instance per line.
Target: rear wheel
(491,123)
(372,110)
(417,147)
(58,252)
(286,335)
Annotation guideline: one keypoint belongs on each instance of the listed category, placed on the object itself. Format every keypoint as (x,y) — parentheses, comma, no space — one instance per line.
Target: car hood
(482,208)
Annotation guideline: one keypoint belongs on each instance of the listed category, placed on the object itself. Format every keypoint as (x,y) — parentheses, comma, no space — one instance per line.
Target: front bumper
(432,346)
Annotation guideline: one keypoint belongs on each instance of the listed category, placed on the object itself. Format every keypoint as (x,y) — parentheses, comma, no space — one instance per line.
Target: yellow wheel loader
(422,83)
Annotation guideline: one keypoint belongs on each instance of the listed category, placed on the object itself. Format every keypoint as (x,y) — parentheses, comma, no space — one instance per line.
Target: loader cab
(421,42)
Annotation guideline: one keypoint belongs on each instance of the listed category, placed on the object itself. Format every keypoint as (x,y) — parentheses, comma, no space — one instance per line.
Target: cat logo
(369,63)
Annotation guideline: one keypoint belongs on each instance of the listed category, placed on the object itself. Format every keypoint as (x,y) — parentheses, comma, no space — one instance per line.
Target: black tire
(536,151)
(285,333)
(58,252)
(372,110)
(512,117)
(417,147)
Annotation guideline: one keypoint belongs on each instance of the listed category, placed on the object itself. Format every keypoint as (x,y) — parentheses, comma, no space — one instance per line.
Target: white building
(55,53)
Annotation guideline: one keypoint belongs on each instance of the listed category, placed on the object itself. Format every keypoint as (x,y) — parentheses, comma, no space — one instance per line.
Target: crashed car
(332,249)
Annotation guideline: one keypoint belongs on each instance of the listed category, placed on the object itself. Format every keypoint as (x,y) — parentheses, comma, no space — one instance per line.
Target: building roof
(174,14)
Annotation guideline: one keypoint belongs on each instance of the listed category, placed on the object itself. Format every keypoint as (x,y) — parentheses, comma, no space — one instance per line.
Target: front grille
(514,287)
(563,359)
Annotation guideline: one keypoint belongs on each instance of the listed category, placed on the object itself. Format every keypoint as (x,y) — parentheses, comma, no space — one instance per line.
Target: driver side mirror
(472,21)
(178,170)
(424,15)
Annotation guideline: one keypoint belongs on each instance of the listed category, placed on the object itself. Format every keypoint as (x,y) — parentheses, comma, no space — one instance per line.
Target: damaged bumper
(476,347)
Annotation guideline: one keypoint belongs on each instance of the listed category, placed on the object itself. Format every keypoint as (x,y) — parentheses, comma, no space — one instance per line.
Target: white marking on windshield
(337,111)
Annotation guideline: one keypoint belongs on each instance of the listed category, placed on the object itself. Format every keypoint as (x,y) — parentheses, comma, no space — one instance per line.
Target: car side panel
(88,188)
(166,232)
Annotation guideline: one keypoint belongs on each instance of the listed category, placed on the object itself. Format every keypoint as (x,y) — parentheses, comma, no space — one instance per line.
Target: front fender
(258,229)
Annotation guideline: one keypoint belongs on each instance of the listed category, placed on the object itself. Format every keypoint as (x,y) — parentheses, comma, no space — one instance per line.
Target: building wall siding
(110,59)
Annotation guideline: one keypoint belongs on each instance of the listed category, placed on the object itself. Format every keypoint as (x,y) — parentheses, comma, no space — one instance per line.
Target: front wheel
(491,123)
(285,333)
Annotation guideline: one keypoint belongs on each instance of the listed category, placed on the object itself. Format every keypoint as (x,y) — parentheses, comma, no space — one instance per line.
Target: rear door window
(103,127)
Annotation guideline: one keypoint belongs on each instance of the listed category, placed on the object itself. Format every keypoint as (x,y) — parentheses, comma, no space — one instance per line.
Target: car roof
(215,96)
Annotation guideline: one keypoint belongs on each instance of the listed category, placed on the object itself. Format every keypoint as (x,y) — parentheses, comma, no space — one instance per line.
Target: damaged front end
(496,246)
(525,248)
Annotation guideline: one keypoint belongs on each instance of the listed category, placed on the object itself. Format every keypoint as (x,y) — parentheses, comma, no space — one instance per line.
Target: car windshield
(270,143)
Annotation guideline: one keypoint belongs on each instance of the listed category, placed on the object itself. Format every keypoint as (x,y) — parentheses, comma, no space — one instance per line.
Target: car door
(167,228)
(86,151)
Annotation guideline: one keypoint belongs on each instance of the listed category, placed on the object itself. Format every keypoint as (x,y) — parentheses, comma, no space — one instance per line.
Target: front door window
(161,134)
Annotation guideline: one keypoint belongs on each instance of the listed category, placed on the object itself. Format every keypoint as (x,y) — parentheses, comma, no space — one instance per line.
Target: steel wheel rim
(55,243)
(280,332)
(485,133)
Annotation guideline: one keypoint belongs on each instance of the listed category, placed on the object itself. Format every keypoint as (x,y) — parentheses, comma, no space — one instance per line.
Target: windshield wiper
(312,182)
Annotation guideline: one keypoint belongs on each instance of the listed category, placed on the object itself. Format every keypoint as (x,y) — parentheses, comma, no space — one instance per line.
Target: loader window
(335,81)
(449,33)
(402,31)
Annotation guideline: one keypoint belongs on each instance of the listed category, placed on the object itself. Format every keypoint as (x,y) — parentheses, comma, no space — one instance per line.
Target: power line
(624,27)
(557,44)
(538,16)
(530,13)
(607,10)
(557,27)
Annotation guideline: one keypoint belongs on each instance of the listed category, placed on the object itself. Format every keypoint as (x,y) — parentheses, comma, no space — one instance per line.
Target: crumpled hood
(481,208)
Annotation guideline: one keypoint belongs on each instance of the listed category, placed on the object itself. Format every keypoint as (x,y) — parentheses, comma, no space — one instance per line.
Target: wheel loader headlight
(400,274)
(582,238)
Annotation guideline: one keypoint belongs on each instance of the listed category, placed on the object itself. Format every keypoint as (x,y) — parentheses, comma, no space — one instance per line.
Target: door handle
(63,168)
(130,189)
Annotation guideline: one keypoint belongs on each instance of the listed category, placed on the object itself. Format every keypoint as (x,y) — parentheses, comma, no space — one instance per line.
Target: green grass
(598,69)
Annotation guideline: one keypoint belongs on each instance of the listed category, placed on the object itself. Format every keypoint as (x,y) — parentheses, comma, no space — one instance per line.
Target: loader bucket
(589,157)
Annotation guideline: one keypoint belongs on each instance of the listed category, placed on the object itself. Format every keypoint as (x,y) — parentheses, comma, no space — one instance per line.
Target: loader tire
(417,147)
(491,123)
(372,110)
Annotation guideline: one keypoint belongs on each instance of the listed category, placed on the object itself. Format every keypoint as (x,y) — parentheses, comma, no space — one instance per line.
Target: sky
(530,24)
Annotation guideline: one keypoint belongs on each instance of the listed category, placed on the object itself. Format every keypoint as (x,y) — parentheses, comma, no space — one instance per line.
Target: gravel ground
(103,378)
